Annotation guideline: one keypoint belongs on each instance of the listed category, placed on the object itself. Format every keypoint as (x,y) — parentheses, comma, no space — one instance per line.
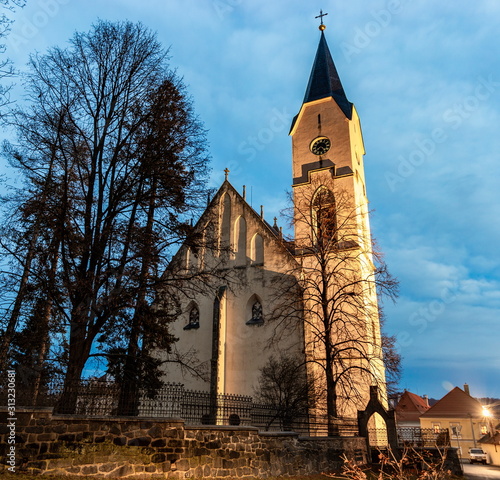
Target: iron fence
(103,398)
(410,437)
(422,437)
(45,396)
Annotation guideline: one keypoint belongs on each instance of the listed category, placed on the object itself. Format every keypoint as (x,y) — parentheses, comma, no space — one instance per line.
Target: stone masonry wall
(151,448)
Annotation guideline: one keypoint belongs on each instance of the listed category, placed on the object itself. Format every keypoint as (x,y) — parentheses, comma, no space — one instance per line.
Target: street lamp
(487,415)
(455,430)
(472,429)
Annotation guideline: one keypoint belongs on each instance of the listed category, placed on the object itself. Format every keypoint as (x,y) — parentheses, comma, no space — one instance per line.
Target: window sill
(192,326)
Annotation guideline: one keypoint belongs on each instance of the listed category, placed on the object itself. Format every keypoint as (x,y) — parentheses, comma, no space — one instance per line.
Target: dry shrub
(410,465)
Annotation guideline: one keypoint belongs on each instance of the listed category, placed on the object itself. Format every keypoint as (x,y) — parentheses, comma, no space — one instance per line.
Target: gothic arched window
(240,240)
(225,233)
(194,318)
(192,261)
(257,250)
(324,218)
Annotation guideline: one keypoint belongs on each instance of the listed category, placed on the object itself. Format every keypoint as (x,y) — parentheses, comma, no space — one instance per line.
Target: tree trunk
(79,349)
(16,310)
(45,323)
(331,405)
(42,352)
(129,390)
(128,402)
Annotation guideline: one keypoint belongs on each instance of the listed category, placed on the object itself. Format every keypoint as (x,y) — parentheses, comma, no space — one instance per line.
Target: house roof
(491,439)
(324,80)
(456,404)
(410,407)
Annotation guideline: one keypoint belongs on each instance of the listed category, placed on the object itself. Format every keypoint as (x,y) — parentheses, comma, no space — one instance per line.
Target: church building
(256,295)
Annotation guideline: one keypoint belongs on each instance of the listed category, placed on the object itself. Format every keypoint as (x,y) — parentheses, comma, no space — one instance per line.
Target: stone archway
(377,431)
(375,407)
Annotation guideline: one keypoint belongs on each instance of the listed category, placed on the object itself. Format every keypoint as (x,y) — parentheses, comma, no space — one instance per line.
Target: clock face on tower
(320,145)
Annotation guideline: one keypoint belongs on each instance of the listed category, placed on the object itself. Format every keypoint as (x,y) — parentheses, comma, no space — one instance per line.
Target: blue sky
(425,79)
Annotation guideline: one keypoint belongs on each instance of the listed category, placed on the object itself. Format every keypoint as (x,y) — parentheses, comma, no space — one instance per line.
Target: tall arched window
(193,319)
(225,233)
(210,244)
(257,250)
(240,241)
(324,218)
(192,261)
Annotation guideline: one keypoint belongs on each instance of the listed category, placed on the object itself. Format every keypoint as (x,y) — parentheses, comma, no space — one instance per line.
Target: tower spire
(324,80)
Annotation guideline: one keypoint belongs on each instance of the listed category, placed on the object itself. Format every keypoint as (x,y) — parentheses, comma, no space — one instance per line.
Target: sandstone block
(161,442)
(60,463)
(78,427)
(37,464)
(46,437)
(122,471)
(35,429)
(107,467)
(155,431)
(98,426)
(57,428)
(182,465)
(120,441)
(171,433)
(139,442)
(158,458)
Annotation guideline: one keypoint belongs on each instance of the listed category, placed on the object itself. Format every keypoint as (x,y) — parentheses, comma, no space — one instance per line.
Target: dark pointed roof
(324,80)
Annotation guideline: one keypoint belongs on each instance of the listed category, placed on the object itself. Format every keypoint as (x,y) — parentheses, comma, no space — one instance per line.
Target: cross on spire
(226,171)
(321,15)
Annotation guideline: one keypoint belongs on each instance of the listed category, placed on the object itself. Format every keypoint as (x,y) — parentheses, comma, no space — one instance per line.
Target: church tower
(326,134)
(333,242)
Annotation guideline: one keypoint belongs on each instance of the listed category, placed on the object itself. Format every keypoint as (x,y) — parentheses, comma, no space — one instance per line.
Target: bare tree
(392,359)
(6,68)
(285,388)
(340,276)
(112,150)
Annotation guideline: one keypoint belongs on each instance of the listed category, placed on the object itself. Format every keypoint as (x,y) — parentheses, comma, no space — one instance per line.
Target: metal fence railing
(103,398)
(423,437)
(410,437)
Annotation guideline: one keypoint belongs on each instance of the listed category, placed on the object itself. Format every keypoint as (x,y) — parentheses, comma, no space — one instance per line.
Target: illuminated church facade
(267,307)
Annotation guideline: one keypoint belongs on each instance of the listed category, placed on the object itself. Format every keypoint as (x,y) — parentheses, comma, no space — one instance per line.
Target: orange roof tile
(456,404)
(410,407)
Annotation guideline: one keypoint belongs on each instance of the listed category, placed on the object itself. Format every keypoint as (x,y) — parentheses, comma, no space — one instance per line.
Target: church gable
(236,235)
(229,317)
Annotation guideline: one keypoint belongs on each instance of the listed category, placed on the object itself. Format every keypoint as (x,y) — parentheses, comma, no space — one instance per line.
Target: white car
(477,455)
